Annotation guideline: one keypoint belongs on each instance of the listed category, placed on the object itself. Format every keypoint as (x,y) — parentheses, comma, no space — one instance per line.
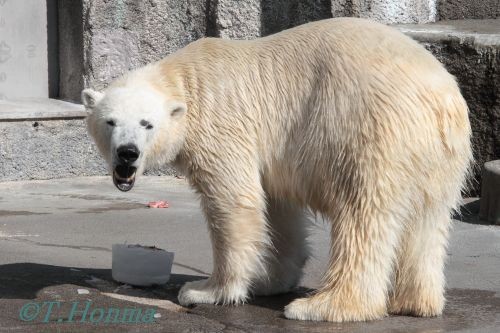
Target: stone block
(279,15)
(490,193)
(387,11)
(71,50)
(236,19)
(47,149)
(112,37)
(468,9)
(46,138)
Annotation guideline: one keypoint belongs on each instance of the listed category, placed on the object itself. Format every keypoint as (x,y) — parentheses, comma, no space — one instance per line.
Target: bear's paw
(325,306)
(207,292)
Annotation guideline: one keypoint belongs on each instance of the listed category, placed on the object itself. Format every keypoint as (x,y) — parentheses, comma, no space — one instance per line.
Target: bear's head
(134,128)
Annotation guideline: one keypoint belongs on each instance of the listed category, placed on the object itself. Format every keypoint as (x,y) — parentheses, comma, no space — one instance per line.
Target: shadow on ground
(469,213)
(24,282)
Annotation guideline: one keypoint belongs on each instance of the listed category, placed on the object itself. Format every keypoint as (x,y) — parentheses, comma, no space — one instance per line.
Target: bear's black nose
(128,154)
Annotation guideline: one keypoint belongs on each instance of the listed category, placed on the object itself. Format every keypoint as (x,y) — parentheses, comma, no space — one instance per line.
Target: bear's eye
(110,123)
(146,124)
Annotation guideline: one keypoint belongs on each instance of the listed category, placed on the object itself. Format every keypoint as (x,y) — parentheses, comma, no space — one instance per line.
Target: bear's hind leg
(356,284)
(288,225)
(419,285)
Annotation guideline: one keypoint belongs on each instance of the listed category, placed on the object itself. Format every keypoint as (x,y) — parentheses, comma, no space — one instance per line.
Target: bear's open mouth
(124,177)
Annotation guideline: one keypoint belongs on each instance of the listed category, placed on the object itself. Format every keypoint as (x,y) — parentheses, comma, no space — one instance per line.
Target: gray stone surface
(101,40)
(39,108)
(476,33)
(467,9)
(121,35)
(56,237)
(23,49)
(387,11)
(490,192)
(53,48)
(71,51)
(236,19)
(278,15)
(46,149)
(470,50)
(113,36)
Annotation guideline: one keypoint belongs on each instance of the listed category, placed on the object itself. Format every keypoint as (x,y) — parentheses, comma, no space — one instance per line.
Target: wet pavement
(55,248)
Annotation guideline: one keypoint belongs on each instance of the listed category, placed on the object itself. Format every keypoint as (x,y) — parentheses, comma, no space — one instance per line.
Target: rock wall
(388,11)
(477,71)
(47,143)
(102,39)
(121,35)
(51,149)
(467,9)
(71,50)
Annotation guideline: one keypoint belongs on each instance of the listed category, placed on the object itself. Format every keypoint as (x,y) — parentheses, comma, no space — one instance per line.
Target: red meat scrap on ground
(158,204)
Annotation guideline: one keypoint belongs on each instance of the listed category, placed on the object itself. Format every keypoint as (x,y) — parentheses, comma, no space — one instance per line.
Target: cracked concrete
(64,244)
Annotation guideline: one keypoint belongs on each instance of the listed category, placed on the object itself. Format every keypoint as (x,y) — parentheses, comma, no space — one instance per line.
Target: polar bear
(345,118)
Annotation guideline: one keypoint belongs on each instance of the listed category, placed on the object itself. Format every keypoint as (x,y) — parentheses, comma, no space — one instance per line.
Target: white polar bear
(345,117)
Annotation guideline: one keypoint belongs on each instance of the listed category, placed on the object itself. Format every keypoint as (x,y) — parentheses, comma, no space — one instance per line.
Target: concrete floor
(56,237)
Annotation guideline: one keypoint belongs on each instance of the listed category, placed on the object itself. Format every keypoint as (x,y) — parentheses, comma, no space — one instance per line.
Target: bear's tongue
(124,177)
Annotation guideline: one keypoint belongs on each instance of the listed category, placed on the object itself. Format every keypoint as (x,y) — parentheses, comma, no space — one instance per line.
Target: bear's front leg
(240,241)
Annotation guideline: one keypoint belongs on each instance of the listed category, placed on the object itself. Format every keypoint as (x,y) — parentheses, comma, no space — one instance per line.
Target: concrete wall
(102,39)
(51,149)
(388,11)
(53,48)
(278,15)
(468,9)
(71,49)
(47,145)
(235,19)
(121,35)
(23,49)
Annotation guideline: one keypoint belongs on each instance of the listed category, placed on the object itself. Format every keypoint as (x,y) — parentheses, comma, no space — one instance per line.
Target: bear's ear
(178,109)
(90,98)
